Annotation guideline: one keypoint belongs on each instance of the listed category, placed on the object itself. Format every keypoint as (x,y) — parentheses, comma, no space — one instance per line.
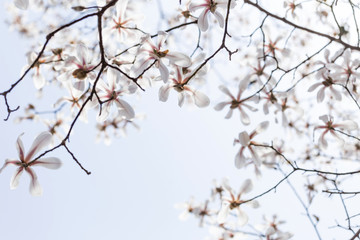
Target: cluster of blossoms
(105,74)
(225,204)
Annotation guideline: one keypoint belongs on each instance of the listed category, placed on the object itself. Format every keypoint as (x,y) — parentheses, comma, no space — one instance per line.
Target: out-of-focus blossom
(210,6)
(246,143)
(328,83)
(22,4)
(149,51)
(26,162)
(234,201)
(330,127)
(179,84)
(237,102)
(122,26)
(345,71)
(272,231)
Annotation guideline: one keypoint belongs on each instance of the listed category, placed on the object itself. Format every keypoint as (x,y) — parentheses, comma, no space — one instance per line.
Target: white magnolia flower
(110,93)
(79,67)
(179,84)
(26,162)
(210,6)
(346,70)
(149,51)
(246,143)
(237,102)
(330,127)
(234,201)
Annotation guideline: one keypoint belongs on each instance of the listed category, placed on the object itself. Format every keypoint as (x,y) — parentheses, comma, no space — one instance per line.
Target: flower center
(160,54)
(80,73)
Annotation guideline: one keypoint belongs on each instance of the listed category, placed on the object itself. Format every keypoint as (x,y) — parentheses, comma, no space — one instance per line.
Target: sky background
(136,181)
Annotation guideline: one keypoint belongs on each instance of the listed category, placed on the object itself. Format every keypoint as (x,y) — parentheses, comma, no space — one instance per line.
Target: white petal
(203,20)
(164,93)
(39,81)
(14,182)
(348,125)
(179,59)
(225,90)
(244,117)
(244,138)
(164,72)
(201,100)
(20,148)
(262,126)
(40,141)
(243,217)
(229,114)
(246,187)
(22,4)
(35,188)
(224,212)
(324,118)
(125,109)
(181,99)
(82,52)
(220,106)
(320,95)
(50,163)
(240,160)
(220,18)
(314,86)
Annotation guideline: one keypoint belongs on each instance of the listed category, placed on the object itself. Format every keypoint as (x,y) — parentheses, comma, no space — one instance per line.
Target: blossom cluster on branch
(288,69)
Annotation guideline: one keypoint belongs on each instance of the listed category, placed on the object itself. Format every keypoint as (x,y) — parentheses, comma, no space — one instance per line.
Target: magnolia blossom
(346,70)
(110,94)
(122,26)
(179,84)
(26,162)
(328,83)
(210,6)
(246,143)
(149,51)
(330,127)
(38,78)
(79,67)
(272,230)
(234,201)
(21,4)
(236,102)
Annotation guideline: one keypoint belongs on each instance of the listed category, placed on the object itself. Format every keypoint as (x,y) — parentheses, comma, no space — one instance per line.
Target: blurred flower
(330,127)
(22,4)
(246,142)
(234,201)
(210,6)
(237,102)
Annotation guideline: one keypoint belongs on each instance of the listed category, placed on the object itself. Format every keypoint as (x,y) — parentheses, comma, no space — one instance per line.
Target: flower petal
(203,20)
(35,188)
(224,212)
(14,182)
(22,4)
(201,100)
(50,163)
(125,109)
(40,141)
(244,138)
(20,148)
(179,59)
